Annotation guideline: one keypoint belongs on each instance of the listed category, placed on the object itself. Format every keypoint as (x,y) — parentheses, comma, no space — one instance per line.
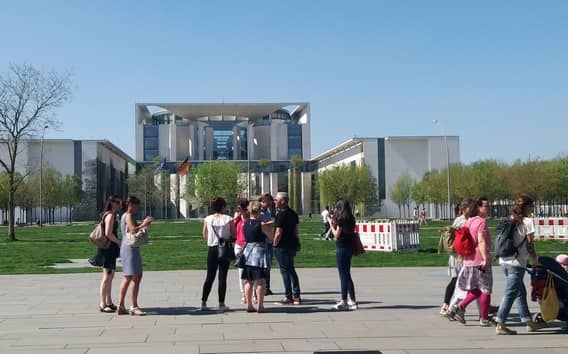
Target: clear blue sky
(493,72)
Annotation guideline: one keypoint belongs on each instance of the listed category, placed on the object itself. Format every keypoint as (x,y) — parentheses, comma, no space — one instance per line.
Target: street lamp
(41,177)
(437,123)
(255,142)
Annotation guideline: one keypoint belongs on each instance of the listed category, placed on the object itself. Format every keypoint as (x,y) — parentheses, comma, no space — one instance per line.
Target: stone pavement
(398,314)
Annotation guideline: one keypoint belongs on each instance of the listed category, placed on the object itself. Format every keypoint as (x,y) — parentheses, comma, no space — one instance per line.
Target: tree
(72,193)
(353,183)
(28,98)
(294,183)
(401,192)
(214,179)
(142,185)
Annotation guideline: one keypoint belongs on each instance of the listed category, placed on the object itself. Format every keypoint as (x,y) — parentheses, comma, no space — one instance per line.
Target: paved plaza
(398,314)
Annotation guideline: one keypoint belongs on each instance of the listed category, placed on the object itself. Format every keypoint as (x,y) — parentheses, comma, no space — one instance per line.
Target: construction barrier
(399,235)
(551,228)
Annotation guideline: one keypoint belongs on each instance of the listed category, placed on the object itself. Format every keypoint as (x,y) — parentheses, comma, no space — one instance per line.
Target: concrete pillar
(273,178)
(306,178)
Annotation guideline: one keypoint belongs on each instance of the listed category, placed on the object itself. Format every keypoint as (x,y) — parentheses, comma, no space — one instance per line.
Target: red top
(239,225)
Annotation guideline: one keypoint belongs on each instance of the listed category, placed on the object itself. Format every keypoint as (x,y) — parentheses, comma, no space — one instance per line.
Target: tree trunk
(11,207)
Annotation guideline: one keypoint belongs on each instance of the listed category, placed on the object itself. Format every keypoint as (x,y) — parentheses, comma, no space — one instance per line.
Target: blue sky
(493,72)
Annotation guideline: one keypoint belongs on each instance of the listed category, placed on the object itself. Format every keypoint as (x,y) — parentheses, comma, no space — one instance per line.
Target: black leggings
(213,262)
(450,290)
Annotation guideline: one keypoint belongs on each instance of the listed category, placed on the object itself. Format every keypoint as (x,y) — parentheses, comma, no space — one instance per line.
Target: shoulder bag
(137,239)
(226,251)
(98,237)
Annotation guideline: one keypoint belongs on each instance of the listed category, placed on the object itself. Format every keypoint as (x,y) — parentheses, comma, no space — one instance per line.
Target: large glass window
(151,142)
(294,140)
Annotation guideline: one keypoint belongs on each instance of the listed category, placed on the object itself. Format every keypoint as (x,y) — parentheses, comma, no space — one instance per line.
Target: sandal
(260,309)
(136,311)
(106,309)
(112,306)
(121,311)
(251,310)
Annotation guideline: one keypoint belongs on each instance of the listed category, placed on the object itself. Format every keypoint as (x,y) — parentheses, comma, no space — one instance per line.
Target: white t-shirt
(325,215)
(522,231)
(219,224)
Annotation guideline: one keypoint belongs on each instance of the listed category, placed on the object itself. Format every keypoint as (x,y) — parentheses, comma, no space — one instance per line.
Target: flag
(162,165)
(184,168)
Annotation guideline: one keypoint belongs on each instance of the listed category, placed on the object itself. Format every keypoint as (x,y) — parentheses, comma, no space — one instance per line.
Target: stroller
(539,274)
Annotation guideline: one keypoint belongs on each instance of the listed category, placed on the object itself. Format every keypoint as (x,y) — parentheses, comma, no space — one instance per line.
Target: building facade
(102,167)
(389,157)
(262,137)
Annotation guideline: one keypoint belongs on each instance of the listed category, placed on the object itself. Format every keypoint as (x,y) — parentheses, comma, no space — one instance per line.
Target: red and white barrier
(551,228)
(389,236)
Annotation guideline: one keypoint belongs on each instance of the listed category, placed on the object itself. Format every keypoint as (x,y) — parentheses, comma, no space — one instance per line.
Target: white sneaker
(341,306)
(352,305)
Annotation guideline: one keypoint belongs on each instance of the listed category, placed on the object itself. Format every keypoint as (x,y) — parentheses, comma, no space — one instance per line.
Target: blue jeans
(343,259)
(514,290)
(269,256)
(285,260)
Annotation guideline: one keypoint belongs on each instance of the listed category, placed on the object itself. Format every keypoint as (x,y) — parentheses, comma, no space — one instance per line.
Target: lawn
(179,246)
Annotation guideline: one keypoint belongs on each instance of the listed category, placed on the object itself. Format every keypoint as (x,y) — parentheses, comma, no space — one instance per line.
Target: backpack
(447,238)
(97,236)
(505,239)
(464,243)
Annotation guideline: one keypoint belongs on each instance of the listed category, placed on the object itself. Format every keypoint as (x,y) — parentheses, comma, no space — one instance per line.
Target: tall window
(151,142)
(294,139)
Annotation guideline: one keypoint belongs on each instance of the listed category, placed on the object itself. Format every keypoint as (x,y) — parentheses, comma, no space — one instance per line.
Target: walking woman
(215,227)
(343,229)
(454,262)
(476,275)
(131,258)
(514,268)
(108,256)
(256,257)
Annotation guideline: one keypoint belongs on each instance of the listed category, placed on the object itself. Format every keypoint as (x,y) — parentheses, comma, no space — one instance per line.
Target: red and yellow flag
(184,168)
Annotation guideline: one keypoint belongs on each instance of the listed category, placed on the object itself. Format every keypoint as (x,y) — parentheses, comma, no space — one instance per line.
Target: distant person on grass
(286,245)
(326,224)
(131,258)
(343,229)
(215,227)
(106,258)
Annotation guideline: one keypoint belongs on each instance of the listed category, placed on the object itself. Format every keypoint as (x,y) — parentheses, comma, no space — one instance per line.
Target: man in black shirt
(286,244)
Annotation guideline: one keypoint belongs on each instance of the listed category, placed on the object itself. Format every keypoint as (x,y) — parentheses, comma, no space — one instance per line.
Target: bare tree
(28,98)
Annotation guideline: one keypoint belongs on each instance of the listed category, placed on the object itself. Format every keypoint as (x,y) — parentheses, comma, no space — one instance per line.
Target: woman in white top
(216,226)
(514,267)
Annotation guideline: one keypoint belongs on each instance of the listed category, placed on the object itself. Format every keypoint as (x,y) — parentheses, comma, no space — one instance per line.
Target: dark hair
(133,200)
(217,204)
(108,206)
(243,203)
(519,209)
(472,208)
(464,205)
(343,216)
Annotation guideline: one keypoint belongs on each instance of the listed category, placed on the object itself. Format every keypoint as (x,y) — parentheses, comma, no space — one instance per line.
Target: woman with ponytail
(514,267)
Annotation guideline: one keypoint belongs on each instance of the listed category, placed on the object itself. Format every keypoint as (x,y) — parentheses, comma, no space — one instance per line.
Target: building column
(273,181)
(306,178)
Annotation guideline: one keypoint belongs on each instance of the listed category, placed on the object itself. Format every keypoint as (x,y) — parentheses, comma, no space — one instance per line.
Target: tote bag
(549,306)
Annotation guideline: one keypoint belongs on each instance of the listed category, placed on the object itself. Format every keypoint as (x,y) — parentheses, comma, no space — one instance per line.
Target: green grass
(179,246)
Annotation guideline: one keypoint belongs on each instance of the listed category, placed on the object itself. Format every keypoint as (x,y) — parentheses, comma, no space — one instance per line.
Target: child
(562,259)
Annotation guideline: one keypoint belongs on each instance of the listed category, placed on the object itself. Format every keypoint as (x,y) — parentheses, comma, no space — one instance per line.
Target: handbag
(549,306)
(225,250)
(97,236)
(358,248)
(137,239)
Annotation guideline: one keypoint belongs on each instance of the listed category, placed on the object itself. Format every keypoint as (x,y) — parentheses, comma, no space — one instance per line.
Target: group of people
(471,276)
(258,231)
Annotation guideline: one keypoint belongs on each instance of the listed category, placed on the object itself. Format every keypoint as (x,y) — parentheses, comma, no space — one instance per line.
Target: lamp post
(437,123)
(255,142)
(41,177)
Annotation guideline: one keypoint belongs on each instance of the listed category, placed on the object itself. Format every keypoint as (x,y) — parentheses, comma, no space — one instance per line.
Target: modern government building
(263,138)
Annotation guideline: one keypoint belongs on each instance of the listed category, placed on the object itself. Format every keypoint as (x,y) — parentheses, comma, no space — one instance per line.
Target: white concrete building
(102,167)
(390,157)
(252,134)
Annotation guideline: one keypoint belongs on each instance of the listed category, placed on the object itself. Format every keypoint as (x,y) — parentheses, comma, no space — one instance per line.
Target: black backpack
(505,239)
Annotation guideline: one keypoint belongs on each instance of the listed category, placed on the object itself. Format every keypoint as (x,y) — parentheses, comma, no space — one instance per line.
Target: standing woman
(108,256)
(131,258)
(256,256)
(241,216)
(343,229)
(215,227)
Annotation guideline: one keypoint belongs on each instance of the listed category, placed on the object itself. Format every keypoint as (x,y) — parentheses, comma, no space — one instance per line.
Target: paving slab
(398,314)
